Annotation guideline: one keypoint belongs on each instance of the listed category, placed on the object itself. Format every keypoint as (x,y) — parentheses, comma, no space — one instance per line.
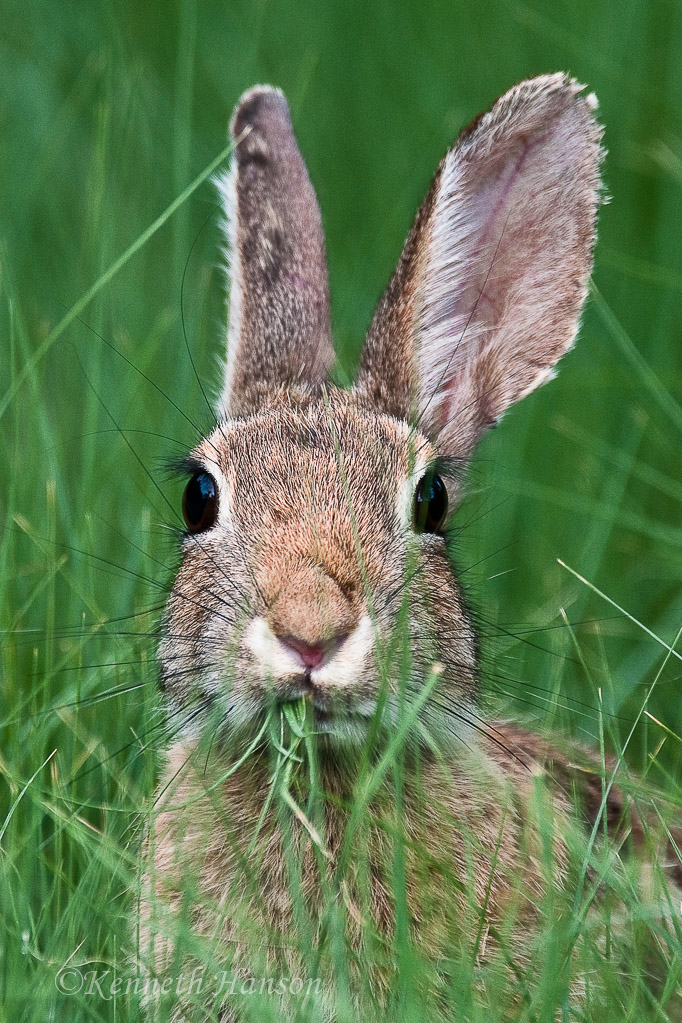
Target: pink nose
(311,655)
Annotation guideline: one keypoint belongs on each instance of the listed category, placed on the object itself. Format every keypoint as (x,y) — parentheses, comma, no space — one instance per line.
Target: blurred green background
(107,112)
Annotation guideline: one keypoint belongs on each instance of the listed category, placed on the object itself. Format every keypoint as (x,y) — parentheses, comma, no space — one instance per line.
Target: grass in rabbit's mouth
(294,734)
(288,729)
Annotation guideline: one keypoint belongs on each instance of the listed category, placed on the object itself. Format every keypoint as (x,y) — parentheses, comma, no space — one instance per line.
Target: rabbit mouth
(333,714)
(326,706)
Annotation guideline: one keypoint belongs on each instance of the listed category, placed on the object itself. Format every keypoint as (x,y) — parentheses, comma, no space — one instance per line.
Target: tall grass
(571,544)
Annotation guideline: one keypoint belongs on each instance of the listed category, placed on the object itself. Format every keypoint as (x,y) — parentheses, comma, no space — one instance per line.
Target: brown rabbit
(314,571)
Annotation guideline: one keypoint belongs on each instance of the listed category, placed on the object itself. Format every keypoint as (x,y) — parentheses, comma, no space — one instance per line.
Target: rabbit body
(476,862)
(315,567)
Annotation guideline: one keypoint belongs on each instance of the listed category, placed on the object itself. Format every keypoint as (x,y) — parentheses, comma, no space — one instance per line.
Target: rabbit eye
(430,504)
(200,502)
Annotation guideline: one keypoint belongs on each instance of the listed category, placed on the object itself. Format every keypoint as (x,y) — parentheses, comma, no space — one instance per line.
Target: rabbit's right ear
(279,329)
(489,288)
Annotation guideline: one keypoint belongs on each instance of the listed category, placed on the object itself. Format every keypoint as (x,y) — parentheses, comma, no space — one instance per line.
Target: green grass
(108,113)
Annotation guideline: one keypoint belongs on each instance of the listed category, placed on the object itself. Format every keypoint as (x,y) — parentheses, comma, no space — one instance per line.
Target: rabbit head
(315,563)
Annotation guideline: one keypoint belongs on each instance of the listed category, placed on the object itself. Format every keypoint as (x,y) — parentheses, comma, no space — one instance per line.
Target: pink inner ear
(504,275)
(480,303)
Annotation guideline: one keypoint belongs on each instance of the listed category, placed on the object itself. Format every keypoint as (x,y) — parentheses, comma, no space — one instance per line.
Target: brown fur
(314,540)
(283,330)
(474,862)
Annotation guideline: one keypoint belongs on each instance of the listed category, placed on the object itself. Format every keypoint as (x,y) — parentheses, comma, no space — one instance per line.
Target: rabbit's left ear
(279,328)
(489,288)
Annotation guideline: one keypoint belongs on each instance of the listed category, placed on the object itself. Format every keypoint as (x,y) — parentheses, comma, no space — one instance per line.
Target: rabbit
(314,527)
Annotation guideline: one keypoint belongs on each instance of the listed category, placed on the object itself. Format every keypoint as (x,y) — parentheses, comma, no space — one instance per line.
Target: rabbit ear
(279,325)
(488,291)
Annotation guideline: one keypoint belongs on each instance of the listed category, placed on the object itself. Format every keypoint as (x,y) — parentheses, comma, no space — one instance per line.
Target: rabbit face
(305,572)
(299,585)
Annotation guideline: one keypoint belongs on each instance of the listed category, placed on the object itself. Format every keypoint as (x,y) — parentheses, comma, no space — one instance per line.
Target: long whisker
(144,468)
(203,705)
(482,726)
(182,315)
(200,433)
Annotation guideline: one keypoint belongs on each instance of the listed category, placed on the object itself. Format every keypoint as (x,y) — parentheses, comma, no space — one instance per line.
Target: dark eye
(430,504)
(200,502)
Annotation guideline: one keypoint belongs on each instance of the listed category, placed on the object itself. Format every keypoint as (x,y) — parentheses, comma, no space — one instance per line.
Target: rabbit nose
(310,615)
(312,655)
